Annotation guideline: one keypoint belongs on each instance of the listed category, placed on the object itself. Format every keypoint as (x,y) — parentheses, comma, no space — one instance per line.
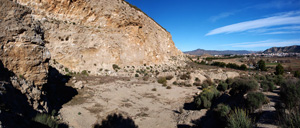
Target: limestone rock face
(22,51)
(21,42)
(93,34)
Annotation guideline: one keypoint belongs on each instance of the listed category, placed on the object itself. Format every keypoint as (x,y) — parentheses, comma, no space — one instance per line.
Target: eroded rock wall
(22,50)
(94,34)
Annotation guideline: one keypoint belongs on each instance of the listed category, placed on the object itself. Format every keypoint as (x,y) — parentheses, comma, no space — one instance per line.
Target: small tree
(279,69)
(261,65)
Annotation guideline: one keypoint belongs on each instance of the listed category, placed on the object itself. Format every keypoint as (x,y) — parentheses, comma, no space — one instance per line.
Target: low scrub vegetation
(243,85)
(255,100)
(204,100)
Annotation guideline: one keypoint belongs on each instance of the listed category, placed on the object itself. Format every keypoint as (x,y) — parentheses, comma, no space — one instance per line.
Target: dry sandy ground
(132,98)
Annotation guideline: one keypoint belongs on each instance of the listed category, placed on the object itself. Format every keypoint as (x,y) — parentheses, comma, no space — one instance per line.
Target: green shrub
(115,67)
(175,83)
(261,65)
(169,87)
(255,100)
(290,93)
(232,65)
(206,97)
(229,81)
(67,70)
(162,80)
(46,120)
(186,76)
(84,72)
(136,75)
(204,85)
(222,86)
(279,80)
(243,85)
(279,69)
(243,67)
(222,110)
(267,86)
(239,119)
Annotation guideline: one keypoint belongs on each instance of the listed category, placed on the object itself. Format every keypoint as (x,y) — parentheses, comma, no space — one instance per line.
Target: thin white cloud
(221,16)
(267,43)
(282,32)
(290,18)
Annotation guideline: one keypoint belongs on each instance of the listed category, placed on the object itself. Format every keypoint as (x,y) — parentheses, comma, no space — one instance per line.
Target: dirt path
(267,119)
(147,103)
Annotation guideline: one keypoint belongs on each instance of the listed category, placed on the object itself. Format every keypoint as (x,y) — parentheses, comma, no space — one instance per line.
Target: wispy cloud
(221,16)
(290,18)
(275,4)
(278,4)
(266,43)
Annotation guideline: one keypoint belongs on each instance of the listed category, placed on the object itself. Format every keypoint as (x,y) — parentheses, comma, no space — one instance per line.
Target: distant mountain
(287,49)
(216,52)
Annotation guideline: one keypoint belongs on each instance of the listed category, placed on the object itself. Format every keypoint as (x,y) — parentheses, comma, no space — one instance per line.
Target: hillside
(287,49)
(215,52)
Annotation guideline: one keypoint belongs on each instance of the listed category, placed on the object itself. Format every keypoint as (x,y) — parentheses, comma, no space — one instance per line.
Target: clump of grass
(169,87)
(239,119)
(46,119)
(153,89)
(162,80)
(116,67)
(84,72)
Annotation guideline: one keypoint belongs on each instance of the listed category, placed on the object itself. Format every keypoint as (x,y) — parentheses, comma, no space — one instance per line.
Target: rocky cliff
(94,34)
(22,51)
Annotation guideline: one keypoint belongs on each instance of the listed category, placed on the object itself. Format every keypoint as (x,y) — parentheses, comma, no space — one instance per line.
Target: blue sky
(227,24)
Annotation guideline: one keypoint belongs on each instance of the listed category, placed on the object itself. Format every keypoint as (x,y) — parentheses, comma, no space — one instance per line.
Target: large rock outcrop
(94,34)
(22,50)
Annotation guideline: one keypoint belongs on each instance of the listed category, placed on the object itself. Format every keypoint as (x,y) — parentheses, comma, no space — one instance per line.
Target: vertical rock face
(94,34)
(21,42)
(22,50)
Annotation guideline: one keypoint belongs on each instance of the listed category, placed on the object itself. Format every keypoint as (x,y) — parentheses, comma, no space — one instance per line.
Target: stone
(78,85)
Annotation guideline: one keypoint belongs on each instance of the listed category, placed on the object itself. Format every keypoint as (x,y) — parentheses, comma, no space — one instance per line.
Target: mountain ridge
(286,49)
(218,52)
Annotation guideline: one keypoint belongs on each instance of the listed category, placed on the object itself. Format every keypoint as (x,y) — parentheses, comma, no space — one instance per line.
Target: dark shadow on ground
(116,121)
(16,112)
(57,93)
(189,106)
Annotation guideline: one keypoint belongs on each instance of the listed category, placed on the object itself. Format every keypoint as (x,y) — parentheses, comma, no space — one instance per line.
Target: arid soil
(147,103)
